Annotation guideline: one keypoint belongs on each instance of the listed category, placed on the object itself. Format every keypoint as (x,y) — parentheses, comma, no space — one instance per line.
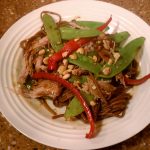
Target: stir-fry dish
(77,65)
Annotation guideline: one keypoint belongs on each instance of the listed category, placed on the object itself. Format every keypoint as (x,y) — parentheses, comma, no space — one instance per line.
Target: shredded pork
(43,88)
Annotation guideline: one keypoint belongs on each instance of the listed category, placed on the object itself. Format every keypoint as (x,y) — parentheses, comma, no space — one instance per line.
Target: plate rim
(39,9)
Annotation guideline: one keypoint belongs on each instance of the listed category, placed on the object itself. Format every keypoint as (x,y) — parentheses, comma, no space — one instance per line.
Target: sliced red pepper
(105,25)
(70,47)
(71,87)
(136,81)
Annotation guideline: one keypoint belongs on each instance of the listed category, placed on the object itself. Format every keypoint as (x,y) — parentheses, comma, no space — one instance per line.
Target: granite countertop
(10,12)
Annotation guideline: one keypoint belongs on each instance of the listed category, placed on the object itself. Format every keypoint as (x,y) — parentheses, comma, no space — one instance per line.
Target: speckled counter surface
(10,12)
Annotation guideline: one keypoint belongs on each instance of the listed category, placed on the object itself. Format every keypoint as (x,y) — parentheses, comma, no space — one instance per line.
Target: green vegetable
(120,37)
(52,32)
(86,63)
(68,33)
(90,24)
(29,82)
(74,108)
(81,79)
(92,53)
(127,53)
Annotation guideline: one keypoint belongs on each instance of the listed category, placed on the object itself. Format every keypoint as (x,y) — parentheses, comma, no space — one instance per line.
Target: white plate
(30,118)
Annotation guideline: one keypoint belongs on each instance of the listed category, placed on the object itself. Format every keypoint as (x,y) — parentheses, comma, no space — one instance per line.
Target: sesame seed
(93,87)
(66,76)
(65,62)
(73,56)
(42,52)
(45,60)
(106,71)
(80,50)
(92,103)
(95,58)
(61,69)
(70,67)
(110,61)
(76,40)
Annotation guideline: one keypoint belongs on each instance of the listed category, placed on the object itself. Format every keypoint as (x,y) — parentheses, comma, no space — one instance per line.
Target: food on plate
(81,67)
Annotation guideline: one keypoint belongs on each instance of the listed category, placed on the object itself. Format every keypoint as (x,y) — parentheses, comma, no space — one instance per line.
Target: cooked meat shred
(43,88)
(63,99)
(116,106)
(110,96)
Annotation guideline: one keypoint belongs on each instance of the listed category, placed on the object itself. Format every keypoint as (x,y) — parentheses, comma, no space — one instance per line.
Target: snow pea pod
(120,37)
(52,32)
(74,108)
(86,63)
(90,24)
(127,53)
(68,33)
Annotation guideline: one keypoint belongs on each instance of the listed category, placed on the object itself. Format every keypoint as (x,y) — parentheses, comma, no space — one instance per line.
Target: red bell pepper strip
(136,81)
(105,25)
(71,87)
(70,47)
